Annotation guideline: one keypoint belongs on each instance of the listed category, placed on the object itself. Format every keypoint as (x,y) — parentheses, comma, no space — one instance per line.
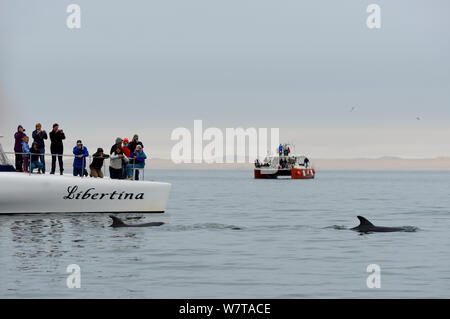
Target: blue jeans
(42,159)
(78,171)
(36,164)
(130,168)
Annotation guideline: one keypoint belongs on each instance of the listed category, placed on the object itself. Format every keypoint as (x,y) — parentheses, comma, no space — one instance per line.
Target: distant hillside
(383,163)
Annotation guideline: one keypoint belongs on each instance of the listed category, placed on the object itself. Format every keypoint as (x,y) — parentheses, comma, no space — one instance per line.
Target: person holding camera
(118,161)
(39,136)
(56,148)
(135,142)
(97,163)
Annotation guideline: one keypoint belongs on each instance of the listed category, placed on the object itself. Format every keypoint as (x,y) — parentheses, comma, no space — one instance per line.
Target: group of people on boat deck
(284,150)
(125,156)
(31,158)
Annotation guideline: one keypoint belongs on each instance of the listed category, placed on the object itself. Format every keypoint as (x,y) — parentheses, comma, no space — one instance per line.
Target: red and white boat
(294,166)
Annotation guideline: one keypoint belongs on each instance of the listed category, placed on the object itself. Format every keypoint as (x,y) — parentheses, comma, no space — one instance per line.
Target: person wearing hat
(138,162)
(118,143)
(97,163)
(18,139)
(39,136)
(79,162)
(126,147)
(135,142)
(56,147)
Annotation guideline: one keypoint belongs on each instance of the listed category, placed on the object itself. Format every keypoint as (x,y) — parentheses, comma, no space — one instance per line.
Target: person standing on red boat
(306,162)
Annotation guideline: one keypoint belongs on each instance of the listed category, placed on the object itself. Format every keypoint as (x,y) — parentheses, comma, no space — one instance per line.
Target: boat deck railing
(138,172)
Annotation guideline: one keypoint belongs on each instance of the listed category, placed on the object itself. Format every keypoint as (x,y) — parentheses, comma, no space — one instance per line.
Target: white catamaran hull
(24,193)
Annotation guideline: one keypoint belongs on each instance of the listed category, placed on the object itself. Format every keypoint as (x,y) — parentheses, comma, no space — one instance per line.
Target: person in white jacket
(118,161)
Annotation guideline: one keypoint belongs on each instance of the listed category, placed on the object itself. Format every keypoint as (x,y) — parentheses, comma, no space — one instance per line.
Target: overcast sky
(150,66)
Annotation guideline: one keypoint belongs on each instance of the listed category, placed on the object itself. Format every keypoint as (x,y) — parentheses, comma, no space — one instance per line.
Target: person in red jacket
(125,147)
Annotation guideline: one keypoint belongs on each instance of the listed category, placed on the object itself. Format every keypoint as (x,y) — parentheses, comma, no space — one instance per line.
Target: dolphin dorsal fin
(364,221)
(116,221)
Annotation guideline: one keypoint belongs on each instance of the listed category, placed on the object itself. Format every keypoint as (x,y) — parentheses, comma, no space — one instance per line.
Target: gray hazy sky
(150,66)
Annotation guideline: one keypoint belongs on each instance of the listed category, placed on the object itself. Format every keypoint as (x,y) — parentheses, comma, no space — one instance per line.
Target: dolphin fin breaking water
(117,222)
(366,227)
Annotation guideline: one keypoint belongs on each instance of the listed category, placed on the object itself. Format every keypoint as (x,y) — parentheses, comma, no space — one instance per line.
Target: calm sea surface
(228,235)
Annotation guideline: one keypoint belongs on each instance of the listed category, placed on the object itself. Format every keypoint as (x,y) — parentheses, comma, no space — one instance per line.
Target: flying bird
(353,108)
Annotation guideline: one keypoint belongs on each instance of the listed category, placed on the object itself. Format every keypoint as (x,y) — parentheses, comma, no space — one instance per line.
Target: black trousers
(115,173)
(60,161)
(19,162)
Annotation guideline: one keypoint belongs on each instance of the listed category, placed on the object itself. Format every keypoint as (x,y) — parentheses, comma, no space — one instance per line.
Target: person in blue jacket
(280,149)
(79,162)
(26,154)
